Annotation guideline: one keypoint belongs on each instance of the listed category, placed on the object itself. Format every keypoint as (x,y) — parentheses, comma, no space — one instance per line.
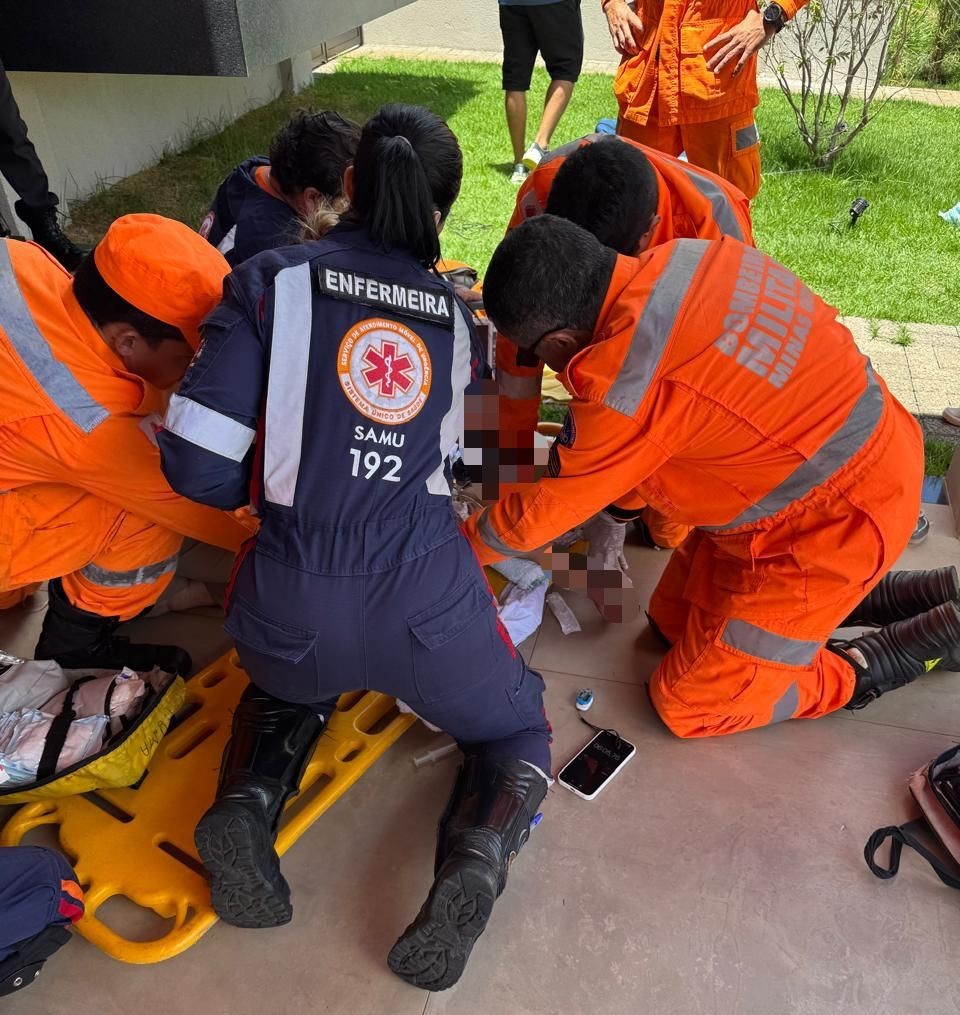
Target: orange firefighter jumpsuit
(703,394)
(670,100)
(691,203)
(82,495)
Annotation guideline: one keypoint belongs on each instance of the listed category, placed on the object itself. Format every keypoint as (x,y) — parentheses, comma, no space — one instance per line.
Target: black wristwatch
(773,15)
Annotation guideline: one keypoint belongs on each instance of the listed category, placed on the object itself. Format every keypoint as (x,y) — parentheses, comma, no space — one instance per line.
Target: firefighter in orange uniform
(697,374)
(84,363)
(631,198)
(688,78)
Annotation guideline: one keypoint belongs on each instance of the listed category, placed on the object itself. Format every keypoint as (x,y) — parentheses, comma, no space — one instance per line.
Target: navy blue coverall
(245,219)
(38,889)
(333,377)
(39,899)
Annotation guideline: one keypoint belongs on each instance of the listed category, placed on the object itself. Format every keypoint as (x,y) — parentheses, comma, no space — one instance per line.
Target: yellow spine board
(138,842)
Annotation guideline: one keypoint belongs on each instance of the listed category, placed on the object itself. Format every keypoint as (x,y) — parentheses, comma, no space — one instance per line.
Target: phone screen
(591,768)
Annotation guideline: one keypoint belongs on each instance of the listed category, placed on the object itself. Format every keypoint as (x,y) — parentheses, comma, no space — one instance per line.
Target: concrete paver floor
(719,877)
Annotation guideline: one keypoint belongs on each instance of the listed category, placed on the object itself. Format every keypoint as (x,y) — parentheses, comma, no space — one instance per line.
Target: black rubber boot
(899,653)
(45,226)
(903,594)
(270,745)
(486,822)
(78,640)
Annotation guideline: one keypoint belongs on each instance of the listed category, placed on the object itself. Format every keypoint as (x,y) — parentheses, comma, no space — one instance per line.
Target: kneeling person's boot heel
(487,821)
(899,653)
(271,743)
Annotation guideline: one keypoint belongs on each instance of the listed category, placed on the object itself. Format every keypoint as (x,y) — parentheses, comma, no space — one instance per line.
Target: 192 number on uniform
(386,468)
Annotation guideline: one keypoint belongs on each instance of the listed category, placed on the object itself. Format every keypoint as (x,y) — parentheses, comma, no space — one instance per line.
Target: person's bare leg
(516,104)
(554,105)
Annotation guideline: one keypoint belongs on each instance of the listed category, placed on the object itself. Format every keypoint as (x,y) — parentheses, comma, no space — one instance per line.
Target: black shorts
(555,30)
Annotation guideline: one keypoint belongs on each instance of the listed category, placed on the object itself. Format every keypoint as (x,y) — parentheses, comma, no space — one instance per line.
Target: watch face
(772,12)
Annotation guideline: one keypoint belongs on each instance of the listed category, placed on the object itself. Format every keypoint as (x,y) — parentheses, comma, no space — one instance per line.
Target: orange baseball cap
(163,268)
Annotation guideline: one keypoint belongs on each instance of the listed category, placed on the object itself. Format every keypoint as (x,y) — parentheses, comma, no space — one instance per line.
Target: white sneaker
(533,156)
(952,416)
(520,173)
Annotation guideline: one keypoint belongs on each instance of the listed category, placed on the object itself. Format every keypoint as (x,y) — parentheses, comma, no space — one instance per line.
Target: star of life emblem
(384,370)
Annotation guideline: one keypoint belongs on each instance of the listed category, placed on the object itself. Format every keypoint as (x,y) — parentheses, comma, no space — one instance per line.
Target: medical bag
(936,788)
(127,746)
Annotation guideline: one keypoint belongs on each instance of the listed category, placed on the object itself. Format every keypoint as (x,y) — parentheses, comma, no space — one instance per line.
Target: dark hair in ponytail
(408,165)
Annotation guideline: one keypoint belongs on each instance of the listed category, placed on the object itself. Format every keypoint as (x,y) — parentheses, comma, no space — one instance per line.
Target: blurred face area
(161,365)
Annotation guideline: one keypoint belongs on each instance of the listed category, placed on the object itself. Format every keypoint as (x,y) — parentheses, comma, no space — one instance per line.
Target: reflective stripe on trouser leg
(144,575)
(768,645)
(746,136)
(706,686)
(135,565)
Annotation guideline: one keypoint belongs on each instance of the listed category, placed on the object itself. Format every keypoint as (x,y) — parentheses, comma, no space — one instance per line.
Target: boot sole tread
(246,886)
(433,951)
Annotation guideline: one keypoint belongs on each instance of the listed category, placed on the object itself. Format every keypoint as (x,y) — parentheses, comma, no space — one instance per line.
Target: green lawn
(911,69)
(938,455)
(896,263)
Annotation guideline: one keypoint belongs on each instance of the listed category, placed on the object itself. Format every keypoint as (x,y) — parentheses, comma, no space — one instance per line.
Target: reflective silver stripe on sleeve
(517,388)
(786,707)
(722,211)
(654,327)
(58,383)
(851,436)
(229,241)
(128,579)
(570,147)
(208,428)
(287,384)
(747,136)
(493,540)
(763,644)
(451,426)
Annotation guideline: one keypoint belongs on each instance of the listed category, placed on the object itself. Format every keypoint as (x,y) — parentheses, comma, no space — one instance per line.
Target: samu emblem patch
(384,371)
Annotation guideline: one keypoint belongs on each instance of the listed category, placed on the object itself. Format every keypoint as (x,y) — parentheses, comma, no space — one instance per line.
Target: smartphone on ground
(594,767)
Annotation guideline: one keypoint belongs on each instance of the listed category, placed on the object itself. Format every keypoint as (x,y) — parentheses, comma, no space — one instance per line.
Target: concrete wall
(89,128)
(473,24)
(202,37)
(107,122)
